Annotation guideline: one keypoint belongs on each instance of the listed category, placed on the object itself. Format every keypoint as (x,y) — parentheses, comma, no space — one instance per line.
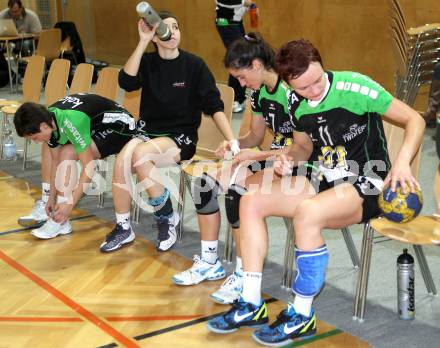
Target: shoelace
(282,318)
(197,262)
(240,306)
(114,231)
(231,280)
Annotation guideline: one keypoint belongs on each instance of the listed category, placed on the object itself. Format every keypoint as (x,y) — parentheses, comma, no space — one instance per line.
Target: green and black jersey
(346,126)
(81,117)
(274,107)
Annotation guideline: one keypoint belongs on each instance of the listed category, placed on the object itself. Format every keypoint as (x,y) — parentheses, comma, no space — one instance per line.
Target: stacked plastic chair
(416,50)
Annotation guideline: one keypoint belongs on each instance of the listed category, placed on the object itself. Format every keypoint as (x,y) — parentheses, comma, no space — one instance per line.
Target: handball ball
(398,206)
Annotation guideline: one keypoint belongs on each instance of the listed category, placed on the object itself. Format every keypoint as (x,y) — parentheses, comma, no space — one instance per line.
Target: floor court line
(40,319)
(115,319)
(32,227)
(89,316)
(204,319)
(314,338)
(178,327)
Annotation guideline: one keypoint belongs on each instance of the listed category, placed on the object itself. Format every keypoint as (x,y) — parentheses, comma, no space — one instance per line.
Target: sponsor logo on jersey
(179,84)
(355,130)
(76,134)
(112,117)
(72,100)
(181,139)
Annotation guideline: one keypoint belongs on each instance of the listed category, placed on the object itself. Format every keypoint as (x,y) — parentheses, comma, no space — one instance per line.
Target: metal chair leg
(229,247)
(424,268)
(362,283)
(26,143)
(289,256)
(351,247)
(181,204)
(134,205)
(102,166)
(2,134)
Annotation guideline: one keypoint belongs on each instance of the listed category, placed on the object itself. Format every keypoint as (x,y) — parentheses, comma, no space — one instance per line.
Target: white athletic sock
(239,266)
(303,305)
(124,220)
(45,191)
(209,251)
(252,287)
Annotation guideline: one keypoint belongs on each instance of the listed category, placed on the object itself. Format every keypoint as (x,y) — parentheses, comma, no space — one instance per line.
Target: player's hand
(401,173)
(227,147)
(62,212)
(245,155)
(283,165)
(49,207)
(146,32)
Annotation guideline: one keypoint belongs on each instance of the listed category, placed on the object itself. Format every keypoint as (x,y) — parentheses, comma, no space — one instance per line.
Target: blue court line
(32,227)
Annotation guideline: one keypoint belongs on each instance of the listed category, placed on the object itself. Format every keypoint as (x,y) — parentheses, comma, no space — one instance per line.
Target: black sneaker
(241,314)
(288,326)
(167,234)
(117,238)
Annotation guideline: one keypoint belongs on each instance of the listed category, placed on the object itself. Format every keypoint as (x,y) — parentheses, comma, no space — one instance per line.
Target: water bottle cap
(405,258)
(253,5)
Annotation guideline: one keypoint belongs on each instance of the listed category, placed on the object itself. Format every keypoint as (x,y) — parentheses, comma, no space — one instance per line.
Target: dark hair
(294,58)
(29,116)
(166,14)
(13,2)
(243,51)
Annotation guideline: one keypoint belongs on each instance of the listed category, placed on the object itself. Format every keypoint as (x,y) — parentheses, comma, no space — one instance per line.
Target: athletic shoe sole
(59,233)
(179,282)
(282,343)
(221,300)
(29,222)
(220,331)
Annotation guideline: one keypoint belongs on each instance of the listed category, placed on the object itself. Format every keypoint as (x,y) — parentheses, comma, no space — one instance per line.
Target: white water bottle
(9,147)
(151,17)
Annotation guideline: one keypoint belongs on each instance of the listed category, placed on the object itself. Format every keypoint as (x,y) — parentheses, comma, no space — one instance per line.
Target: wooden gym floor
(65,293)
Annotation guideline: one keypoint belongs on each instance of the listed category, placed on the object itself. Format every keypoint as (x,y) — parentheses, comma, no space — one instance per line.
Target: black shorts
(259,166)
(365,189)
(109,142)
(185,142)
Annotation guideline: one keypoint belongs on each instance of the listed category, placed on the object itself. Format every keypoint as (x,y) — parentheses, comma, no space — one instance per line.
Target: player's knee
(140,157)
(310,266)
(205,193)
(305,212)
(232,204)
(67,152)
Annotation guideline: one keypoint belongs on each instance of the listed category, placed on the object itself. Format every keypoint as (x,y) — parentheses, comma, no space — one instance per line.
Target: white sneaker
(237,107)
(37,215)
(200,271)
(230,290)
(51,229)
(167,234)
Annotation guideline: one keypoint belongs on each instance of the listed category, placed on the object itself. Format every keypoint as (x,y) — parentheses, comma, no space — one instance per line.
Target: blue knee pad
(310,266)
(205,193)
